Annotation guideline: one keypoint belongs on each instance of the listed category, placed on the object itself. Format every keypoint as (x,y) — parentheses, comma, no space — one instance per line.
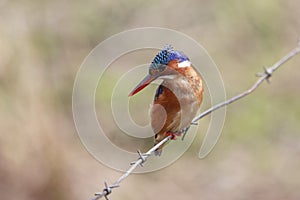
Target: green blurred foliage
(43,43)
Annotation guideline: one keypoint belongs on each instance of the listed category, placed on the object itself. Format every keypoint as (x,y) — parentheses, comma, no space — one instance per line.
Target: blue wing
(158,92)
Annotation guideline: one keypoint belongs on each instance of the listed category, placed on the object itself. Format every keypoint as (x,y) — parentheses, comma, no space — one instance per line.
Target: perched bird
(178,97)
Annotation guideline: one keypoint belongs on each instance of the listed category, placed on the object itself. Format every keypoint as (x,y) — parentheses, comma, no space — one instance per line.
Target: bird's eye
(161,67)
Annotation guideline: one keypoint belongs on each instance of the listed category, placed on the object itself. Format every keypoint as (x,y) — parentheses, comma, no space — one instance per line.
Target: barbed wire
(265,76)
(142,158)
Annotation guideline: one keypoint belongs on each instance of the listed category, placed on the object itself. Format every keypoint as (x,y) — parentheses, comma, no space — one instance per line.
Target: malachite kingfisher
(177,99)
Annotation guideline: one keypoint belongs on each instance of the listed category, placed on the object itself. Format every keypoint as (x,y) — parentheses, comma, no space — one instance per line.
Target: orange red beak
(144,83)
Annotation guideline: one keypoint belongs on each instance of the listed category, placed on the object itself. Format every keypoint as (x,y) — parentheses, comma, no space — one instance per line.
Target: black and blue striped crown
(168,54)
(163,57)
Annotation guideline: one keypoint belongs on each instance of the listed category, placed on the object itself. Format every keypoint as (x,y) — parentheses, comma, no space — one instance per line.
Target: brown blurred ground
(42,44)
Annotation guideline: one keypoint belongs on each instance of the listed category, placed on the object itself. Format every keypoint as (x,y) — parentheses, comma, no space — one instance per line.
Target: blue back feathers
(158,92)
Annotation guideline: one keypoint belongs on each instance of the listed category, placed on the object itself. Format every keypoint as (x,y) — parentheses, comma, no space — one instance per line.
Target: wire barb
(142,157)
(267,74)
(105,192)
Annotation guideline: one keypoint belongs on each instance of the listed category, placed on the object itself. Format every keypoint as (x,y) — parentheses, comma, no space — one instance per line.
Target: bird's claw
(173,135)
(178,134)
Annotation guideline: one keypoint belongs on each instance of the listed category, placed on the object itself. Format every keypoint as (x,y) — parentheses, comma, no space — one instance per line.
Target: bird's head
(164,65)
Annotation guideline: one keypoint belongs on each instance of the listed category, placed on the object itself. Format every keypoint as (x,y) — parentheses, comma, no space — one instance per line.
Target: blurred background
(43,43)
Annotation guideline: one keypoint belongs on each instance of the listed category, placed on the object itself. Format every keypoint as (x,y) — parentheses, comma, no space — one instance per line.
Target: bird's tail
(158,151)
(159,137)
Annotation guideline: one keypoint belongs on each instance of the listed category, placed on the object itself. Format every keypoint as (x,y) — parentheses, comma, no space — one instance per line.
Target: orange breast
(164,110)
(176,102)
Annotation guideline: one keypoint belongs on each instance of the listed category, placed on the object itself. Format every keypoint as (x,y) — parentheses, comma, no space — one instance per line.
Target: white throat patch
(185,63)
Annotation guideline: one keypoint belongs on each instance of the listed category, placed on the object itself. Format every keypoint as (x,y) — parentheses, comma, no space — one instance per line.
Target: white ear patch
(185,63)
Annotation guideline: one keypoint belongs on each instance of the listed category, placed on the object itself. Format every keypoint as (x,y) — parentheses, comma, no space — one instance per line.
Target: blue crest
(164,57)
(168,54)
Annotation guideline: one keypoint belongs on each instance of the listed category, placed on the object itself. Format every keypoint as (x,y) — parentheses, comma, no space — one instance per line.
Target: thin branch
(143,157)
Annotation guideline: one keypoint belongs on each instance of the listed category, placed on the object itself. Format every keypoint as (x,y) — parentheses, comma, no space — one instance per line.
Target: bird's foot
(173,135)
(158,152)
